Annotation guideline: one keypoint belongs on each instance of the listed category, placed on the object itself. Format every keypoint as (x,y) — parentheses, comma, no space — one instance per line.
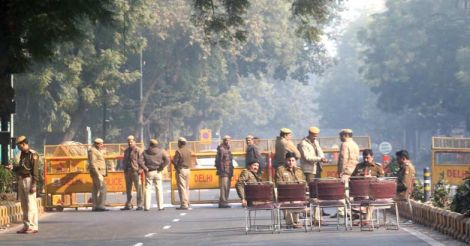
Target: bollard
(427,184)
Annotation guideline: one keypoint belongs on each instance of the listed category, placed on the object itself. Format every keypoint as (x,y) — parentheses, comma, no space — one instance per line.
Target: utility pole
(141,96)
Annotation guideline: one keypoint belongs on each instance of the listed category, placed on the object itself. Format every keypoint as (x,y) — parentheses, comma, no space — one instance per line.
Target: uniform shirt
(224,161)
(310,155)
(96,161)
(28,165)
(370,170)
(182,158)
(282,147)
(405,180)
(283,174)
(246,176)
(348,157)
(133,159)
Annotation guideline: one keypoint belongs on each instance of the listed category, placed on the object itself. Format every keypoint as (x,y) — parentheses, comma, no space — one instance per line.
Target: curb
(12,213)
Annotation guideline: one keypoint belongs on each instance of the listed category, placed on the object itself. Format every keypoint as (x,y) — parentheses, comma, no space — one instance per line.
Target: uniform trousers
(133,178)
(154,178)
(28,203)
(99,190)
(182,179)
(345,179)
(224,184)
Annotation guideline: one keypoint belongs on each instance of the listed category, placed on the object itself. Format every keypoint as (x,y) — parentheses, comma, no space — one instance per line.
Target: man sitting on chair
(289,172)
(248,175)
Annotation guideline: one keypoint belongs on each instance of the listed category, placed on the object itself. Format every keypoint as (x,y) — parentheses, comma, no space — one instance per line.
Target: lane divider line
(166,227)
(182,214)
(423,237)
(150,234)
(175,220)
(138,244)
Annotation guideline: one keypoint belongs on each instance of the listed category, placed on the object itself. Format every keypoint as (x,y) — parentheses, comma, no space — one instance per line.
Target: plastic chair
(328,193)
(259,196)
(382,193)
(292,196)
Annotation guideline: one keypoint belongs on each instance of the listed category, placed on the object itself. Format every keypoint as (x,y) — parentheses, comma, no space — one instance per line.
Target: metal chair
(328,193)
(358,192)
(291,196)
(382,194)
(259,196)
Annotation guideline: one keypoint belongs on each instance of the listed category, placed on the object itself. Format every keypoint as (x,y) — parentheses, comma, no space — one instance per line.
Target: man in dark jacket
(133,167)
(253,154)
(182,163)
(155,159)
(224,165)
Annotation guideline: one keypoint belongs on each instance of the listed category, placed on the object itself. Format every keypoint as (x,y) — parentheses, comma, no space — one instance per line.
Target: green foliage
(418,191)
(440,196)
(6,180)
(461,201)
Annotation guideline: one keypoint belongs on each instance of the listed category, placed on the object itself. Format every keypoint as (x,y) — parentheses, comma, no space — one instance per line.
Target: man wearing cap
(289,172)
(311,155)
(406,175)
(347,160)
(97,169)
(28,176)
(224,166)
(155,160)
(248,175)
(182,164)
(252,153)
(283,145)
(133,166)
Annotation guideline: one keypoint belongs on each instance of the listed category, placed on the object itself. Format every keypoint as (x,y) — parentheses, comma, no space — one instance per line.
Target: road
(204,225)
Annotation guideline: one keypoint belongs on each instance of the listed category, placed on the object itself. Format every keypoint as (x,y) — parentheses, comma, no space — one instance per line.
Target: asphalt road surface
(204,225)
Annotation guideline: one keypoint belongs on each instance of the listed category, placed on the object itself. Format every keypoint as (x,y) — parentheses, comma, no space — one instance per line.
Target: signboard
(385,148)
(453,174)
(205,136)
(66,183)
(206,178)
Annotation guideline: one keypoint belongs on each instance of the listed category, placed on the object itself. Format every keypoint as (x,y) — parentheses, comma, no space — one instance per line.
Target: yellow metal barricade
(451,156)
(68,184)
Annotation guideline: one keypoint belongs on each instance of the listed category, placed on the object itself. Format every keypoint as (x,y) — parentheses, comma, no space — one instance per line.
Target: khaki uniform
(368,170)
(97,169)
(133,163)
(224,165)
(246,176)
(182,164)
(347,161)
(282,147)
(310,156)
(405,181)
(28,176)
(283,174)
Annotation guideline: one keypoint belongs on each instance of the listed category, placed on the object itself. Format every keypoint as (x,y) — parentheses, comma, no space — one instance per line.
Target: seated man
(249,175)
(368,168)
(289,172)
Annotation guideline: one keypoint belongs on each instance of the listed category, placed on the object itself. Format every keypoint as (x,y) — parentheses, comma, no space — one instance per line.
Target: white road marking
(175,220)
(423,237)
(150,234)
(182,214)
(138,244)
(166,227)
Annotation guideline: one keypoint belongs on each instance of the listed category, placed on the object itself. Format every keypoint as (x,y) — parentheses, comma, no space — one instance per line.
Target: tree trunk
(77,119)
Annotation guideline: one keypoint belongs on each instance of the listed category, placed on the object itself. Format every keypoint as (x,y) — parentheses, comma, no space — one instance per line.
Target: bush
(6,180)
(440,196)
(418,191)
(461,201)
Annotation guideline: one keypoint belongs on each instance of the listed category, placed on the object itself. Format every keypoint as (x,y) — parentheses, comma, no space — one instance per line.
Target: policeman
(283,145)
(97,169)
(252,153)
(155,159)
(28,176)
(133,167)
(224,166)
(347,160)
(405,176)
(289,172)
(248,175)
(182,164)
(311,154)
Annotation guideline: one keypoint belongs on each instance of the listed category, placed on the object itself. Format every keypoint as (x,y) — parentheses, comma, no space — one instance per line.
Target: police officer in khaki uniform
(289,172)
(182,163)
(155,160)
(224,166)
(405,176)
(347,160)
(311,155)
(133,167)
(28,176)
(283,145)
(248,175)
(97,169)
